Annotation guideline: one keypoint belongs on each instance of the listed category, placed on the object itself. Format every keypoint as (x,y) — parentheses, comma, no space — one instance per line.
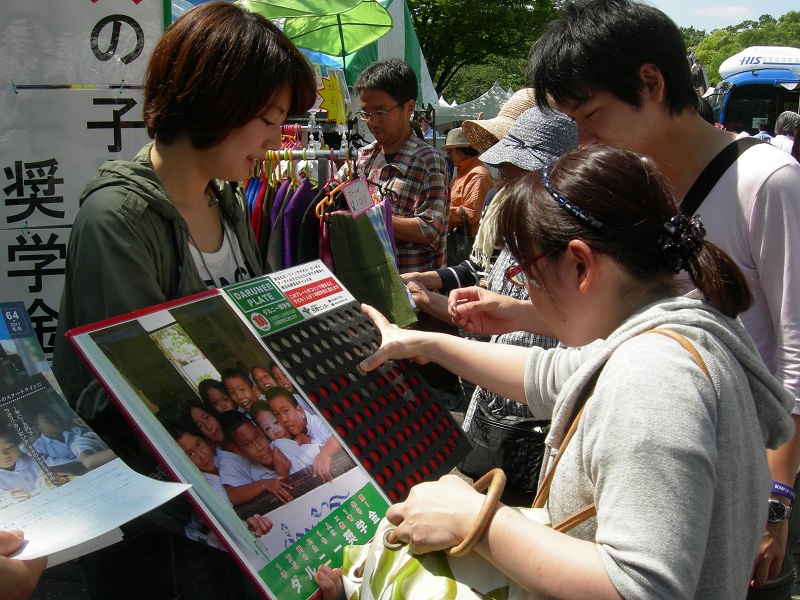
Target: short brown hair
(217,68)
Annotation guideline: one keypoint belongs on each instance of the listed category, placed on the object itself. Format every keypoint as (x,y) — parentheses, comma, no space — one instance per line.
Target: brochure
(59,483)
(252,395)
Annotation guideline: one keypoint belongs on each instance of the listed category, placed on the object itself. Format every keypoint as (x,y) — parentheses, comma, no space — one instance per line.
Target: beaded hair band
(683,237)
(568,205)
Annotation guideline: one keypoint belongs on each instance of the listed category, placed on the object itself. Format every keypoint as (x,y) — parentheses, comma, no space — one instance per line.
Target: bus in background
(759,82)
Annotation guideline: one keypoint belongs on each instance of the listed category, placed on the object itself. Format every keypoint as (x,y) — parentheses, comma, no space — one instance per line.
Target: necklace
(214,201)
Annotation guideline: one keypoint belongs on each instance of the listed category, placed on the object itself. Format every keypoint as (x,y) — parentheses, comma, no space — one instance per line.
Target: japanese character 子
(116,123)
(39,179)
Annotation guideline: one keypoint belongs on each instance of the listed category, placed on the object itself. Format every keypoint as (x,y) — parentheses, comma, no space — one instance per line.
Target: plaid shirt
(417,183)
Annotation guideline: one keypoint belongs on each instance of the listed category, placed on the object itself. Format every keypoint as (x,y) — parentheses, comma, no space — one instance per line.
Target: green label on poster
(266,307)
(291,575)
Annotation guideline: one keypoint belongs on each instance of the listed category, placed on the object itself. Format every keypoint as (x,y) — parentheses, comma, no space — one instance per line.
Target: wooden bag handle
(494,481)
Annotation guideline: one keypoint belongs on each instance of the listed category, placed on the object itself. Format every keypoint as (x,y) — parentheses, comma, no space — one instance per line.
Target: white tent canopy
(489,104)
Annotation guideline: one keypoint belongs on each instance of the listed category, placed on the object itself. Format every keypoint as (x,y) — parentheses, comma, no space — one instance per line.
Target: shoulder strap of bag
(713,171)
(589,511)
(464,222)
(688,346)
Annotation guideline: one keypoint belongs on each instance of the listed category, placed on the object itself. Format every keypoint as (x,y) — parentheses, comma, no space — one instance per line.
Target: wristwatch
(778,511)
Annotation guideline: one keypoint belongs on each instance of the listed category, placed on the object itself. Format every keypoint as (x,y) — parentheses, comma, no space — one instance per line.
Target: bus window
(740,107)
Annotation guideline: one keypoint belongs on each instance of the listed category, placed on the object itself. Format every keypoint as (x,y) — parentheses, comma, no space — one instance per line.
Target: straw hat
(455,139)
(534,140)
(483,134)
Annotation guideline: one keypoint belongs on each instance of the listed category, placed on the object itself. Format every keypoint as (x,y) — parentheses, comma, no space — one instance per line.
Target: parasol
(276,9)
(342,33)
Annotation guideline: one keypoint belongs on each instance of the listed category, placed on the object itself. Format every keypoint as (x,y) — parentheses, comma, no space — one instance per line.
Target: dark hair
(705,110)
(393,76)
(469,151)
(257,407)
(211,384)
(266,365)
(600,45)
(7,434)
(796,148)
(763,125)
(177,427)
(278,390)
(625,194)
(231,420)
(35,409)
(217,68)
(200,406)
(234,372)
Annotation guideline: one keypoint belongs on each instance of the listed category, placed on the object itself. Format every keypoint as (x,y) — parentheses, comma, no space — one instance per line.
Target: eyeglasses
(516,274)
(378,114)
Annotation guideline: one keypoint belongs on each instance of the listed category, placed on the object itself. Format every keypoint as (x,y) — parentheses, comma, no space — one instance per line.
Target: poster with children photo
(225,417)
(43,443)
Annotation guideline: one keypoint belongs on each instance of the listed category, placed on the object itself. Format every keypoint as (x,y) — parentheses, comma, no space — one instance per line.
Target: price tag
(357,196)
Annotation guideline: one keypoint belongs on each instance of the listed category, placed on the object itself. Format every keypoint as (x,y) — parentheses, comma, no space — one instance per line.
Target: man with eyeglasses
(403,168)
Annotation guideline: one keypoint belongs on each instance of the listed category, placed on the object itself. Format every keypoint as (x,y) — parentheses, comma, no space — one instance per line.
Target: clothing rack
(321,156)
(312,154)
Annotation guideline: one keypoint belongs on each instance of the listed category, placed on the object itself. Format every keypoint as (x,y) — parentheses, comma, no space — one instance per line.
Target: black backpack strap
(713,171)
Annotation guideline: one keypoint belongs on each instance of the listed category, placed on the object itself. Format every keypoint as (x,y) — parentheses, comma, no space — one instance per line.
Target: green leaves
(456,34)
(715,47)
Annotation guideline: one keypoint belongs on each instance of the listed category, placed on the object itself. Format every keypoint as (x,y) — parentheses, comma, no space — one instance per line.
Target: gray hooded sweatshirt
(674,461)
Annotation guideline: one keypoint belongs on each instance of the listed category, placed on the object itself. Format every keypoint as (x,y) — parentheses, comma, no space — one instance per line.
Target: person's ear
(582,266)
(408,107)
(653,80)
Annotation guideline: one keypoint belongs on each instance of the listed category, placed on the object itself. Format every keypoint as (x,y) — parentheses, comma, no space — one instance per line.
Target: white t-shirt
(216,483)
(223,267)
(241,470)
(68,449)
(300,456)
(318,431)
(753,214)
(26,475)
(784,142)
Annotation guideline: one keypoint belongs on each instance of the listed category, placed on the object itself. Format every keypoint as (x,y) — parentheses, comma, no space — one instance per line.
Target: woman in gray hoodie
(673,458)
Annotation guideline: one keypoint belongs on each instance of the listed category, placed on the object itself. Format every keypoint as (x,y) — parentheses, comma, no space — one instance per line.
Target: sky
(714,14)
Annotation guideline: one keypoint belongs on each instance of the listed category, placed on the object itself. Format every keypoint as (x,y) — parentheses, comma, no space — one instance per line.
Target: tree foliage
(454,34)
(692,36)
(473,80)
(767,31)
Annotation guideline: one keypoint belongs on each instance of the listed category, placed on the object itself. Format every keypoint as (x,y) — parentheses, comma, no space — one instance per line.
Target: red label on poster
(313,292)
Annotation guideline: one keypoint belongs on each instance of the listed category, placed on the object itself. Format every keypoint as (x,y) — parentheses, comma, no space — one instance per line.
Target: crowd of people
(686,442)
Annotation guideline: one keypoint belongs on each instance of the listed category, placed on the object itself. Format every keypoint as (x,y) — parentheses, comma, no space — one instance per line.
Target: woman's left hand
(436,515)
(396,343)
